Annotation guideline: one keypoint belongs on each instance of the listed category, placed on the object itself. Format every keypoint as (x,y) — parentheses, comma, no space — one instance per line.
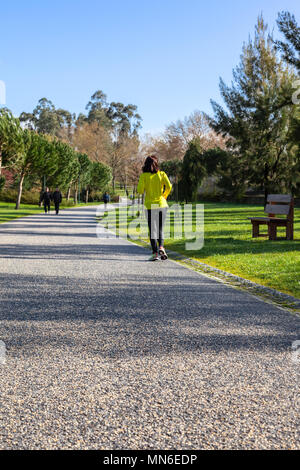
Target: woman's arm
(167,185)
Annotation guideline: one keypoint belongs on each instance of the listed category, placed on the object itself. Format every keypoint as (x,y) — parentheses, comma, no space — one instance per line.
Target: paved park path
(108,351)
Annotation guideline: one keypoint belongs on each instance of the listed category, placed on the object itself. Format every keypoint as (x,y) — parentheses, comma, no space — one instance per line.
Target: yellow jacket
(157,187)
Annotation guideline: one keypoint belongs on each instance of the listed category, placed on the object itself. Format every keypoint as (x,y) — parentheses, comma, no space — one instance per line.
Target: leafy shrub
(28,197)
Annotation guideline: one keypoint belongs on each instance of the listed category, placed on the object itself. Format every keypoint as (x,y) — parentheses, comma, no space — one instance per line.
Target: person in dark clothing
(57,198)
(106,199)
(46,199)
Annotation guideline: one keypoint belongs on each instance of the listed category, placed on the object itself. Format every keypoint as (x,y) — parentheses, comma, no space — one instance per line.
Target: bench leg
(255,229)
(272,230)
(290,231)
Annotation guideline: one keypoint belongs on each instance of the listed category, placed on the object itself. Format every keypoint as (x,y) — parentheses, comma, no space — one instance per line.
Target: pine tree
(193,170)
(255,122)
(291,48)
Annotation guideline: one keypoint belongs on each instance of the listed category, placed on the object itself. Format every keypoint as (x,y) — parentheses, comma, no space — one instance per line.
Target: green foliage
(66,168)
(226,167)
(28,197)
(193,171)
(291,48)
(172,168)
(85,169)
(256,124)
(11,137)
(45,119)
(100,176)
(122,119)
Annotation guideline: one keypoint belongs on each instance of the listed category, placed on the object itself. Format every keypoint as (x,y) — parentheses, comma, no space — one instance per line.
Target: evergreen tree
(35,157)
(10,137)
(291,48)
(173,169)
(193,170)
(255,123)
(100,176)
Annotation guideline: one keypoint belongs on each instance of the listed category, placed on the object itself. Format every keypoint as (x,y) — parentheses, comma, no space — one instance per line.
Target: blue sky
(165,56)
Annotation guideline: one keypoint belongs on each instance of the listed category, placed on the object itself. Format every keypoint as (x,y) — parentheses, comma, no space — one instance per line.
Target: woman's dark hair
(151,164)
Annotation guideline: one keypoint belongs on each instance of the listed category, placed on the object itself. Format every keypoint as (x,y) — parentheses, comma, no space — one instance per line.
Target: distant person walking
(46,199)
(157,187)
(106,199)
(57,198)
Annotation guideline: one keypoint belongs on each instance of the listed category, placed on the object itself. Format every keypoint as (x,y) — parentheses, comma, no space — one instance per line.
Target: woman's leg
(162,219)
(151,221)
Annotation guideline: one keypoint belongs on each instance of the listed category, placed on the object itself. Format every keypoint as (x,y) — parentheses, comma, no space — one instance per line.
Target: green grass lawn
(228,245)
(8,212)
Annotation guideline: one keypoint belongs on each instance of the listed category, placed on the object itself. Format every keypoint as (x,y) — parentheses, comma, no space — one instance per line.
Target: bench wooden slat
(277,209)
(267,219)
(280,198)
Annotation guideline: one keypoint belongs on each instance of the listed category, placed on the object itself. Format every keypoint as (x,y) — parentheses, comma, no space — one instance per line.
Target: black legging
(47,206)
(156,220)
(56,204)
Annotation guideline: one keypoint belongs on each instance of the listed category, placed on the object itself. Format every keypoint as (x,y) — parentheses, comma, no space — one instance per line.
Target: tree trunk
(113,183)
(0,162)
(266,196)
(68,193)
(266,183)
(76,195)
(87,196)
(20,190)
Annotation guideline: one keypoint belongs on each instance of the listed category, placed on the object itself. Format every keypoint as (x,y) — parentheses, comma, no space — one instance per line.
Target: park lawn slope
(229,246)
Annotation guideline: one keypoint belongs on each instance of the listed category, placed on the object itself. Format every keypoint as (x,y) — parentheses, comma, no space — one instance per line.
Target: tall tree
(100,176)
(10,137)
(97,109)
(94,140)
(193,170)
(291,48)
(124,118)
(67,170)
(173,168)
(45,119)
(34,158)
(255,122)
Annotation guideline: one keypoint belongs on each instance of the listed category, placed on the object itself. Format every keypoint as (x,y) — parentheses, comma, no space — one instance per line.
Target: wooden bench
(277,204)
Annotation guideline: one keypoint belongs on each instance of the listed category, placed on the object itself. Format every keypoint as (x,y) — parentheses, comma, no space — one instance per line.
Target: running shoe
(163,254)
(154,257)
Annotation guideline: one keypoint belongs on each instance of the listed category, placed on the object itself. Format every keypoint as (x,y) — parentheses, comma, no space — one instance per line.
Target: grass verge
(228,245)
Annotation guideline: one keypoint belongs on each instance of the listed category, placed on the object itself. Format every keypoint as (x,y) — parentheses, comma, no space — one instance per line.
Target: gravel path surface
(108,351)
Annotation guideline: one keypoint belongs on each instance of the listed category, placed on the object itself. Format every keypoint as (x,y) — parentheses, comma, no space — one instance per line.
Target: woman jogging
(157,188)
